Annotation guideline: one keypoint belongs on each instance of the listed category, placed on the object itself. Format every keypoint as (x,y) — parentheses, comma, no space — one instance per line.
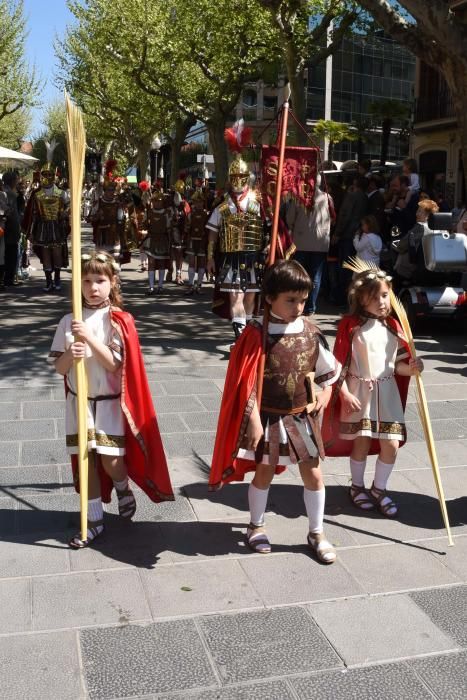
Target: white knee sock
(95,510)
(257,501)
(191,276)
(121,485)
(314,505)
(248,317)
(357,469)
(161,277)
(151,278)
(201,272)
(382,474)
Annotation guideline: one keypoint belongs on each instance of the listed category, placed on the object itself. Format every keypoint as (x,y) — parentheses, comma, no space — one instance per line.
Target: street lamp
(156,146)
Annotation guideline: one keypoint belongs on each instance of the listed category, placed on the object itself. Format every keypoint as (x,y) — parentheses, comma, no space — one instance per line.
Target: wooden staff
(358,265)
(76,144)
(273,245)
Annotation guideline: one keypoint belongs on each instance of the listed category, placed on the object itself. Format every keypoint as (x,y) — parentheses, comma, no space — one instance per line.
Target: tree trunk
(142,159)
(219,149)
(297,92)
(331,152)
(385,135)
(182,128)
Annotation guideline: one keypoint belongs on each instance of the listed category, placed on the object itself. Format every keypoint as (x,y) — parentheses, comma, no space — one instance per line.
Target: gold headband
(103,258)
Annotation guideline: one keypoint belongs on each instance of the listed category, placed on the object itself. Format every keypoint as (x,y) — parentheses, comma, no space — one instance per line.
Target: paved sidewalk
(174,605)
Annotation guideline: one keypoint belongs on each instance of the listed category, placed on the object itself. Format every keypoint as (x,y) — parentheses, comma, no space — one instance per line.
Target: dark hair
(9,178)
(411,164)
(364,286)
(101,263)
(365,163)
(285,276)
(361,182)
(372,223)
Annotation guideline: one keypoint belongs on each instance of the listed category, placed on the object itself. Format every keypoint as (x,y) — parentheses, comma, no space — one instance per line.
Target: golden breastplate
(240,232)
(49,205)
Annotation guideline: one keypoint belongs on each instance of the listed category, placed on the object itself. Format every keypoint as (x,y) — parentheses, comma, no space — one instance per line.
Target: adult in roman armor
(196,241)
(235,227)
(157,243)
(181,209)
(108,215)
(46,222)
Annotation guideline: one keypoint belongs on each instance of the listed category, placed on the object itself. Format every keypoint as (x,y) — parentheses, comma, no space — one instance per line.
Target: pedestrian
(123,435)
(353,208)
(12,229)
(311,235)
(285,428)
(367,242)
(366,413)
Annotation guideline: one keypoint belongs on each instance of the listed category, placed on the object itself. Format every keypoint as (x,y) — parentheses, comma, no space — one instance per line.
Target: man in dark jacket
(12,228)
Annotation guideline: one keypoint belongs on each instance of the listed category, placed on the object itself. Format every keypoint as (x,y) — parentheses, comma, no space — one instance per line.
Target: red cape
(237,401)
(333,445)
(145,458)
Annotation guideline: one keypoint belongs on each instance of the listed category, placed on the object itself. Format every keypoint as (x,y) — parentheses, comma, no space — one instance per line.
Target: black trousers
(11,262)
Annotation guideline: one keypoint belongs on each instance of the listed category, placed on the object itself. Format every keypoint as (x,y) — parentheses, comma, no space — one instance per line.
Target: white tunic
(106,426)
(375,351)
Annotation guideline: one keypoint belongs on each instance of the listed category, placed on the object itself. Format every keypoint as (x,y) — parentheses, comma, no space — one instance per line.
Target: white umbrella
(15,159)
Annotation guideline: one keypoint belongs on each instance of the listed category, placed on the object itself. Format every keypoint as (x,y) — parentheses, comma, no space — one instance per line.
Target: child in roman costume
(285,429)
(366,414)
(123,435)
(156,245)
(196,241)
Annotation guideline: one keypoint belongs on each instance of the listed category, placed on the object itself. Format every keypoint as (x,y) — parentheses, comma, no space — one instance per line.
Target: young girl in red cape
(285,428)
(366,412)
(123,435)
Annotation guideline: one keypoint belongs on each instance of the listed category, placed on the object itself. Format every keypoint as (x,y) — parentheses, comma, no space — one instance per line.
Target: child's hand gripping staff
(76,144)
(414,368)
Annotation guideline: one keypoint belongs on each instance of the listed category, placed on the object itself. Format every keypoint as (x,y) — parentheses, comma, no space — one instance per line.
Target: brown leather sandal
(322,548)
(366,503)
(378,496)
(95,530)
(257,539)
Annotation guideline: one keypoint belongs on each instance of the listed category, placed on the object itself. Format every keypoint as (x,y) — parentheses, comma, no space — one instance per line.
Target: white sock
(357,469)
(314,505)
(248,317)
(201,272)
(382,474)
(257,501)
(95,510)
(121,485)
(161,277)
(191,276)
(151,277)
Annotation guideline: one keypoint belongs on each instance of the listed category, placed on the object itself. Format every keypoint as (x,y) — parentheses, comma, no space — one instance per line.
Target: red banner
(298,175)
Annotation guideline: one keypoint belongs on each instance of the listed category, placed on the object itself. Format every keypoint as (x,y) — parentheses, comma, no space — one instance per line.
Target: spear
(358,265)
(76,144)
(273,245)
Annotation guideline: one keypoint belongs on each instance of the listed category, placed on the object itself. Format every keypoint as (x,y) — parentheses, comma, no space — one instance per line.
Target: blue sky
(45,19)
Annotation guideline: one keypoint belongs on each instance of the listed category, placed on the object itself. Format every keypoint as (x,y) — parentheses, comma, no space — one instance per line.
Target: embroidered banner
(298,175)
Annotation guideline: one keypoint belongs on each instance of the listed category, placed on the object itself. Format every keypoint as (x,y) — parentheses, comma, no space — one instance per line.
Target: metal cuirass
(240,231)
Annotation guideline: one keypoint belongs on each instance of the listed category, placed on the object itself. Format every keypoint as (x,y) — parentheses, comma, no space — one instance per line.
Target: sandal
(363,503)
(323,549)
(95,529)
(257,539)
(178,280)
(383,502)
(126,503)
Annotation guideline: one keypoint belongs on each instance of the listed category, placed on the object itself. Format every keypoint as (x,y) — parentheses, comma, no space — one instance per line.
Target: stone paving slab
(455,558)
(15,605)
(201,421)
(200,587)
(175,404)
(395,568)
(445,676)
(41,666)
(449,454)
(178,510)
(389,681)
(22,557)
(187,444)
(39,480)
(277,690)
(33,394)
(44,409)
(288,578)
(192,386)
(414,634)
(138,660)
(257,644)
(47,514)
(9,454)
(447,608)
(27,429)
(44,452)
(10,411)
(86,599)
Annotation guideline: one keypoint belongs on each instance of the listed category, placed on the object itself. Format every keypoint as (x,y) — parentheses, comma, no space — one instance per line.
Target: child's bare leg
(257,500)
(358,495)
(237,312)
(383,468)
(314,496)
(117,470)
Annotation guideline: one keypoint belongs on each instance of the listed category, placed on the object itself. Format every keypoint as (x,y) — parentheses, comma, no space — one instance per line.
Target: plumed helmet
(180,186)
(239,167)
